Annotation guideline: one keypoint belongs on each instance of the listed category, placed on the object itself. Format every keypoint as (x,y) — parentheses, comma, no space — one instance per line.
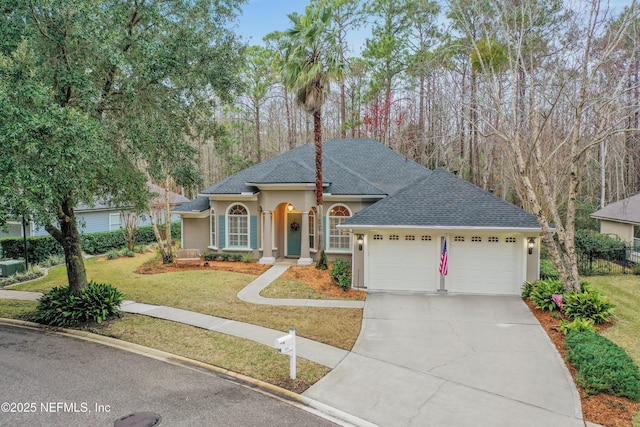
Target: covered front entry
(485,264)
(401,261)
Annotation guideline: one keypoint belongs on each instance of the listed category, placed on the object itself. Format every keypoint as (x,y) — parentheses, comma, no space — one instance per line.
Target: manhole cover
(139,419)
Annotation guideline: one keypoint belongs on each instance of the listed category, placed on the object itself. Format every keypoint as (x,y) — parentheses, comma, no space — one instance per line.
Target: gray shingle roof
(199,204)
(442,199)
(350,167)
(626,210)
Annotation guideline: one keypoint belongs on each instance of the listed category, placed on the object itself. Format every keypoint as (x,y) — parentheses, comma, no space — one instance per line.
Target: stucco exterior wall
(622,230)
(195,233)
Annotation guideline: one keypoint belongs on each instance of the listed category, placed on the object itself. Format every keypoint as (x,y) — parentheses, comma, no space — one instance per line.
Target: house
(385,213)
(620,218)
(99,217)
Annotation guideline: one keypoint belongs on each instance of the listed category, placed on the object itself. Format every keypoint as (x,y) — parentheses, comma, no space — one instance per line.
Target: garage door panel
(407,265)
(484,266)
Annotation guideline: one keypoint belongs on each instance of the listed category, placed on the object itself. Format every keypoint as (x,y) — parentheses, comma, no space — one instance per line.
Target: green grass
(239,355)
(290,288)
(16,309)
(624,292)
(213,293)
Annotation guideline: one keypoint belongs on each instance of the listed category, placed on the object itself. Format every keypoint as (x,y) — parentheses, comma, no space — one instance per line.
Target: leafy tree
(96,94)
(312,62)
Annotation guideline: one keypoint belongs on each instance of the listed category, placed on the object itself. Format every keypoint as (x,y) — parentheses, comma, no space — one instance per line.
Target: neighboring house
(382,211)
(620,218)
(100,216)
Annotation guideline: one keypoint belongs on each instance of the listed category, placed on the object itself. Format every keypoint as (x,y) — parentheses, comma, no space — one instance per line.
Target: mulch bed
(604,409)
(155,267)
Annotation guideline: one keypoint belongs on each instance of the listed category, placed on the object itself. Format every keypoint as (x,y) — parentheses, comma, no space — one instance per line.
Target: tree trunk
(69,238)
(258,146)
(317,135)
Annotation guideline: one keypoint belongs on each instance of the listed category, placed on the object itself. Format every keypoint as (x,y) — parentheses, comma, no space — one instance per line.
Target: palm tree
(312,62)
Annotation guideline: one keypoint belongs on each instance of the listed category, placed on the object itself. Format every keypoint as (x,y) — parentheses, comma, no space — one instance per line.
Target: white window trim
(227,223)
(328,215)
(111,223)
(313,230)
(213,233)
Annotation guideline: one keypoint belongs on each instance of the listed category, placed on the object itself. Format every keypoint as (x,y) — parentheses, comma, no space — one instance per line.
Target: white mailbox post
(287,345)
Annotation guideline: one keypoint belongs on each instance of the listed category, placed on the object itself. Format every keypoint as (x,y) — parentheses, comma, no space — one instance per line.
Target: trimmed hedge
(41,247)
(603,367)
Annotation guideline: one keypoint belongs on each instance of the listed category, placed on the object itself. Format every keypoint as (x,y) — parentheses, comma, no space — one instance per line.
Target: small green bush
(225,257)
(527,288)
(112,254)
(247,258)
(236,257)
(60,307)
(578,324)
(341,273)
(602,366)
(542,295)
(588,304)
(127,252)
(548,270)
(210,256)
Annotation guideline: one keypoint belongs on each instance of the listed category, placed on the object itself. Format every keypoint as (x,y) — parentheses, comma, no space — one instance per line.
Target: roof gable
(626,210)
(350,167)
(444,200)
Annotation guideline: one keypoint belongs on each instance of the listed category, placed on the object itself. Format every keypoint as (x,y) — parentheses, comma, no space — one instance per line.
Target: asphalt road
(51,380)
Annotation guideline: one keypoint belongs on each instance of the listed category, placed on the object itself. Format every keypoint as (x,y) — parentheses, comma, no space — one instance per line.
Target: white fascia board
(283,186)
(622,221)
(193,214)
(231,197)
(443,228)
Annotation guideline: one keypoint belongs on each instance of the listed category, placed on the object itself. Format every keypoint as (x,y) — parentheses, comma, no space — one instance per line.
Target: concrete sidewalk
(312,350)
(251,293)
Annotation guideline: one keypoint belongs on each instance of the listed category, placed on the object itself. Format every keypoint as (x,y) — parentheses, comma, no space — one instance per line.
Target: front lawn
(213,293)
(624,292)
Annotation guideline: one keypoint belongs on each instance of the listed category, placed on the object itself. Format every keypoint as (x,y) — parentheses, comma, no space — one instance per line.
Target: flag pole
(444,261)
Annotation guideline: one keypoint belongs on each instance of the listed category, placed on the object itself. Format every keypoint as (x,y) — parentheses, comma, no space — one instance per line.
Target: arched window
(238,227)
(212,228)
(338,239)
(312,228)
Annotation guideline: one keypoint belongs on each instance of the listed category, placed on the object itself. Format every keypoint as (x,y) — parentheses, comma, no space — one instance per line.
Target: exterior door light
(531,244)
(289,207)
(360,241)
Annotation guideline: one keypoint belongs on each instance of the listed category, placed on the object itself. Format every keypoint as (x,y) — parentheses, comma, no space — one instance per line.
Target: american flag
(444,259)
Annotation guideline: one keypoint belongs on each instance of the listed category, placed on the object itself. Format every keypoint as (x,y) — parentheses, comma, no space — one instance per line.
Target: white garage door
(488,264)
(403,261)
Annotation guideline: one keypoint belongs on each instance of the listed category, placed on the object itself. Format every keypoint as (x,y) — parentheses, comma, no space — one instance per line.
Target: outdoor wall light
(532,243)
(290,207)
(360,241)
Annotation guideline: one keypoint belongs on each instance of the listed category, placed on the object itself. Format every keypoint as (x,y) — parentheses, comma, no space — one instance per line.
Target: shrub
(527,288)
(596,245)
(548,270)
(578,324)
(60,307)
(39,248)
(588,304)
(341,273)
(33,273)
(112,254)
(53,260)
(127,252)
(210,256)
(602,366)
(542,295)
(248,257)
(225,257)
(236,257)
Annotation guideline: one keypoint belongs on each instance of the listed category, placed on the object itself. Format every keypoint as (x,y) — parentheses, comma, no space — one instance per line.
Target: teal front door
(294,233)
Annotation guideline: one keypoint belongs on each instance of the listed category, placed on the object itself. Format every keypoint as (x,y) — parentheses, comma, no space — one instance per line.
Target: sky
(261,17)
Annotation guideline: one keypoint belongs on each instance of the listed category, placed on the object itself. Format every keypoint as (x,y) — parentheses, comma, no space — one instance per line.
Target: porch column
(305,257)
(267,244)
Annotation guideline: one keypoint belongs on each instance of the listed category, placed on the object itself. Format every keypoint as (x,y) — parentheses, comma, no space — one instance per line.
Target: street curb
(321,409)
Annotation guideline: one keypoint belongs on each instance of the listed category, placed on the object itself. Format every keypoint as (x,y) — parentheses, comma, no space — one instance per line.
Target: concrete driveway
(452,360)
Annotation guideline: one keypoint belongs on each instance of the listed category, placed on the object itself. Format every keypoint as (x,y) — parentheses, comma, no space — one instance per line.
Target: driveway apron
(452,360)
